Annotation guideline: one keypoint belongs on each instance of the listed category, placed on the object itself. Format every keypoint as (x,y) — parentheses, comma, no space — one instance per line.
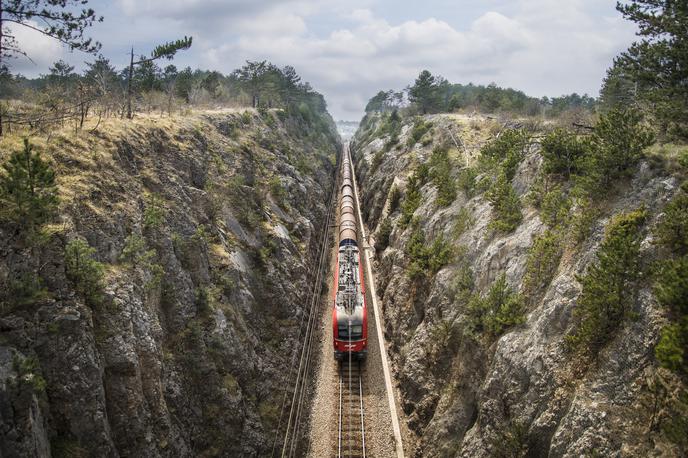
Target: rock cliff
(516,388)
(203,229)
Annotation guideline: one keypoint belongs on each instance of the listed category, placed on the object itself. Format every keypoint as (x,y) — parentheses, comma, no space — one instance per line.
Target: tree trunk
(131,74)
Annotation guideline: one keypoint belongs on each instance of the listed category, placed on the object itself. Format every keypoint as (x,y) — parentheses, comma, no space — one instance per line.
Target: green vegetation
(413,196)
(583,218)
(609,285)
(555,207)
(154,213)
(493,314)
(28,195)
(561,152)
(29,373)
(467,181)
(614,148)
(84,273)
(464,221)
(543,261)
(440,174)
(671,283)
(506,205)
(672,233)
(425,260)
(394,199)
(136,253)
(506,151)
(420,128)
(383,233)
(24,290)
(651,73)
(434,94)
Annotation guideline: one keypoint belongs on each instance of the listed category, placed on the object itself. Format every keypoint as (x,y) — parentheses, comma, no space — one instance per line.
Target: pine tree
(58,19)
(609,285)
(424,93)
(27,188)
(658,62)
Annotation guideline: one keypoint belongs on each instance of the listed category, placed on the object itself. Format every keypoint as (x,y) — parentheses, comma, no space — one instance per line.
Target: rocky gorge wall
(203,229)
(520,391)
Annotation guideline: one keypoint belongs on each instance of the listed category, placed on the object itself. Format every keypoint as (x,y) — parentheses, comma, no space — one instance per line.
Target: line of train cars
(349,313)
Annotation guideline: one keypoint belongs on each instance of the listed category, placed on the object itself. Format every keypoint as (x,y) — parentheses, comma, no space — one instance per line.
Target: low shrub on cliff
(440,174)
(506,205)
(426,259)
(28,194)
(84,272)
(543,260)
(555,207)
(614,148)
(413,196)
(671,284)
(154,212)
(609,285)
(672,232)
(394,199)
(506,151)
(383,233)
(493,314)
(467,181)
(420,128)
(561,152)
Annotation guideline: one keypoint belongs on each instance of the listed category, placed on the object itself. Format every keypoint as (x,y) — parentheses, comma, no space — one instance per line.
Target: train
(349,311)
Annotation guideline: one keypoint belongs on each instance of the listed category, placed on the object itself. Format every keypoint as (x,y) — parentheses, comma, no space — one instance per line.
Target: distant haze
(350,50)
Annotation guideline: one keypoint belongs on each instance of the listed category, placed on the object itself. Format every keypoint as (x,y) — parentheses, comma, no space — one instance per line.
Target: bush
(671,287)
(154,213)
(555,207)
(561,152)
(672,232)
(615,147)
(413,197)
(440,174)
(84,272)
(426,260)
(464,221)
(394,199)
(609,285)
(420,128)
(507,150)
(496,312)
(467,181)
(23,291)
(506,205)
(377,160)
(383,233)
(28,194)
(672,348)
(584,217)
(543,261)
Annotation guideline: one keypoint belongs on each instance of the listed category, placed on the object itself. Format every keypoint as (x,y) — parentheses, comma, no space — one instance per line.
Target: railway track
(351,429)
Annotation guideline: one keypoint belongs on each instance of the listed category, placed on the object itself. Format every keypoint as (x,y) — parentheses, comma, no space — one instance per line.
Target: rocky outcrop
(523,393)
(205,228)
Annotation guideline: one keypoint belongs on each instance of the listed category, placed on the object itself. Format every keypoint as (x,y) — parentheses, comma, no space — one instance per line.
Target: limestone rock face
(188,351)
(523,393)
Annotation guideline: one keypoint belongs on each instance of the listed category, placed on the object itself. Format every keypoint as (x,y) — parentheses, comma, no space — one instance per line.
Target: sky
(349,50)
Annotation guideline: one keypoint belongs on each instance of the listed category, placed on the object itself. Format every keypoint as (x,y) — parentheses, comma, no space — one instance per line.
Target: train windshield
(356,332)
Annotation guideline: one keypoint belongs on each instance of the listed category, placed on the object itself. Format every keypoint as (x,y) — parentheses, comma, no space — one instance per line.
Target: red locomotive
(349,314)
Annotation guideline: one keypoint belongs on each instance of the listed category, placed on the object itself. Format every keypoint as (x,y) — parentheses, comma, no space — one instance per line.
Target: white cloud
(543,47)
(41,49)
(350,50)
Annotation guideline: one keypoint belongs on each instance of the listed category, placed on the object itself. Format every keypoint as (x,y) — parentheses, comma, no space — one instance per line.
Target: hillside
(505,338)
(172,336)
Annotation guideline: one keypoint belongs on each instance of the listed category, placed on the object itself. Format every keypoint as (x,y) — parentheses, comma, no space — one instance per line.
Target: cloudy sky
(350,49)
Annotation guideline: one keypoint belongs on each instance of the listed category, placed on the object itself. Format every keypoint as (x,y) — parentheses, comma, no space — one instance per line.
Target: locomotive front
(349,318)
